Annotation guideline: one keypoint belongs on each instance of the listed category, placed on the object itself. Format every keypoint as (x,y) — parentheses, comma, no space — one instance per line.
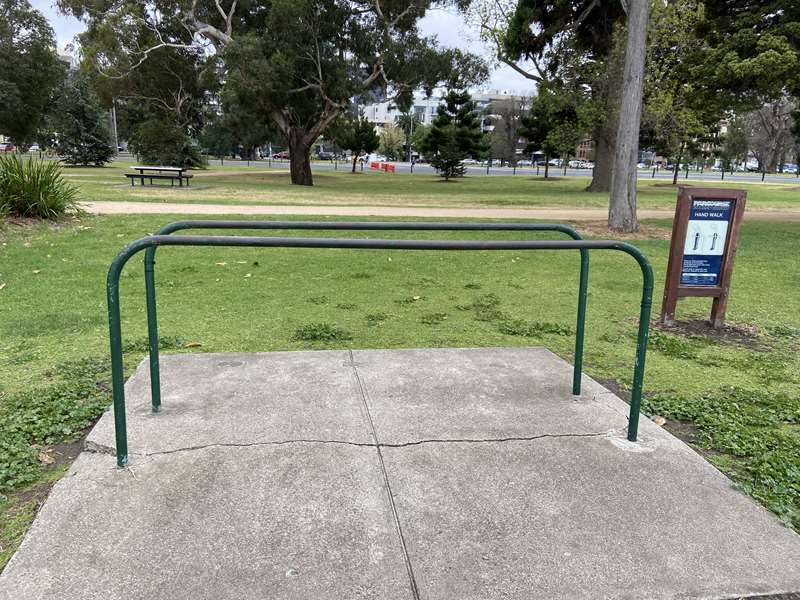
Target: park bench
(172,174)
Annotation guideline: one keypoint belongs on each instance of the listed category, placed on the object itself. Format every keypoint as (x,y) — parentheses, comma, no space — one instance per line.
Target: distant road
(644,174)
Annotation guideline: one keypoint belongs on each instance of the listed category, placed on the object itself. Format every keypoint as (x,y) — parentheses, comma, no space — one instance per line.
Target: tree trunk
(622,202)
(355,160)
(603,156)
(677,165)
(300,157)
(605,132)
(546,166)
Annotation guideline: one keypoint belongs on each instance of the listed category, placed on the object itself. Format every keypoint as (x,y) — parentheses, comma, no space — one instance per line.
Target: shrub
(49,414)
(35,188)
(321,332)
(83,136)
(157,142)
(524,328)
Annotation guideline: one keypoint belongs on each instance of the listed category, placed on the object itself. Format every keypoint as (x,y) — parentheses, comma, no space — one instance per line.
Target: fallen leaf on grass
(659,420)
(37,271)
(2,285)
(45,458)
(192,345)
(248,275)
(415,297)
(221,264)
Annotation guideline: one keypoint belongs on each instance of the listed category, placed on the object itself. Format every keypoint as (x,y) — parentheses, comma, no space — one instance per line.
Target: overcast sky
(449,27)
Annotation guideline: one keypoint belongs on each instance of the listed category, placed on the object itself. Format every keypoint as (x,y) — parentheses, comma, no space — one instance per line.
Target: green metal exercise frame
(150,254)
(115,270)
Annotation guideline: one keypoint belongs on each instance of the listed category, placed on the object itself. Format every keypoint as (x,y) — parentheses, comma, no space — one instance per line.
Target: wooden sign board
(705,234)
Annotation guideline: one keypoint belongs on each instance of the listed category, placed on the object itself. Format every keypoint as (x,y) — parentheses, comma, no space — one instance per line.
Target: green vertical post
(641,343)
(152,327)
(581,323)
(117,371)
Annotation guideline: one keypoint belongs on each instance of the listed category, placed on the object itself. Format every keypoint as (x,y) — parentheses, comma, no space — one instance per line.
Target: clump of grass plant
(35,189)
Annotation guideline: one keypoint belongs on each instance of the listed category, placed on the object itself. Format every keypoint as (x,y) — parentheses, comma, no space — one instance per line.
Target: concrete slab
(576,517)
(295,521)
(496,393)
(241,399)
(420,474)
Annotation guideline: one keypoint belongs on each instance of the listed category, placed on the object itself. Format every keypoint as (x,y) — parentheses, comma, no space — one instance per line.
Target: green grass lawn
(259,185)
(736,397)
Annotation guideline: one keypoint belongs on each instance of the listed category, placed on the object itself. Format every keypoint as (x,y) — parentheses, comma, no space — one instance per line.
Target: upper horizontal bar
(300,242)
(367,225)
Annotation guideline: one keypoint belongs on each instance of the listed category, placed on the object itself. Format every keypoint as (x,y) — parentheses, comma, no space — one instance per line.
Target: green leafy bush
(157,142)
(83,136)
(35,188)
(321,332)
(533,329)
(49,414)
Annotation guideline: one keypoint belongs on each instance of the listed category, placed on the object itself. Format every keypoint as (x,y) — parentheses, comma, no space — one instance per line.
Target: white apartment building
(384,113)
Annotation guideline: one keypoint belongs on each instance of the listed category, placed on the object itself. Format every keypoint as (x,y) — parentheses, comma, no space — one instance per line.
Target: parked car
(377,158)
(34,148)
(641,166)
(586,164)
(555,162)
(471,161)
(281,155)
(7,147)
(524,163)
(323,155)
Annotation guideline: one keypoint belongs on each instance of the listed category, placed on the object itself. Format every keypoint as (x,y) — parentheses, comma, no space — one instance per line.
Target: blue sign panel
(705,242)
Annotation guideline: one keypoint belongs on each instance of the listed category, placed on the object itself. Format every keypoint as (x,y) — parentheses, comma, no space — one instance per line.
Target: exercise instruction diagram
(706,235)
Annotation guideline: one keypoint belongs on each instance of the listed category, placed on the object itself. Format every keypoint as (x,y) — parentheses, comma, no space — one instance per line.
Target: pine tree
(356,134)
(83,136)
(455,134)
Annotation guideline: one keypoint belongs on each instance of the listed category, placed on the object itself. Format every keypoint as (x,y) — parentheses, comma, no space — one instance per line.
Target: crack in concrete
(412,580)
(101,449)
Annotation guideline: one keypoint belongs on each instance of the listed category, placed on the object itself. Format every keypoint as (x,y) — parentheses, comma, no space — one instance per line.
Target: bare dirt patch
(26,224)
(600,229)
(732,334)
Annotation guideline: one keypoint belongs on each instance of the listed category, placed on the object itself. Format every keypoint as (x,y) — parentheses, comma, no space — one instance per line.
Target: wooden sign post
(705,234)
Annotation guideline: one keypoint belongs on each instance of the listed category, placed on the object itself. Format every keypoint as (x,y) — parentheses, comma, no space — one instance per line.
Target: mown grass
(260,185)
(739,394)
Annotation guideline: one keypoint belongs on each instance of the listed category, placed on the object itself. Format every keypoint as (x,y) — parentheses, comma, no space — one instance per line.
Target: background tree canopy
(297,63)
(30,72)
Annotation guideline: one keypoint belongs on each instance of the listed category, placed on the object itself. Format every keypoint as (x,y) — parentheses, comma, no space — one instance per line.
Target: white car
(34,148)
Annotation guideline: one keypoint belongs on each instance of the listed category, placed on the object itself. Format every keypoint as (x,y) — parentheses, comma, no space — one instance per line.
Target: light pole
(114,124)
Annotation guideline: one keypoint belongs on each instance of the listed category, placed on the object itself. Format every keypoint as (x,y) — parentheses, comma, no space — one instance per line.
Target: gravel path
(570,214)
